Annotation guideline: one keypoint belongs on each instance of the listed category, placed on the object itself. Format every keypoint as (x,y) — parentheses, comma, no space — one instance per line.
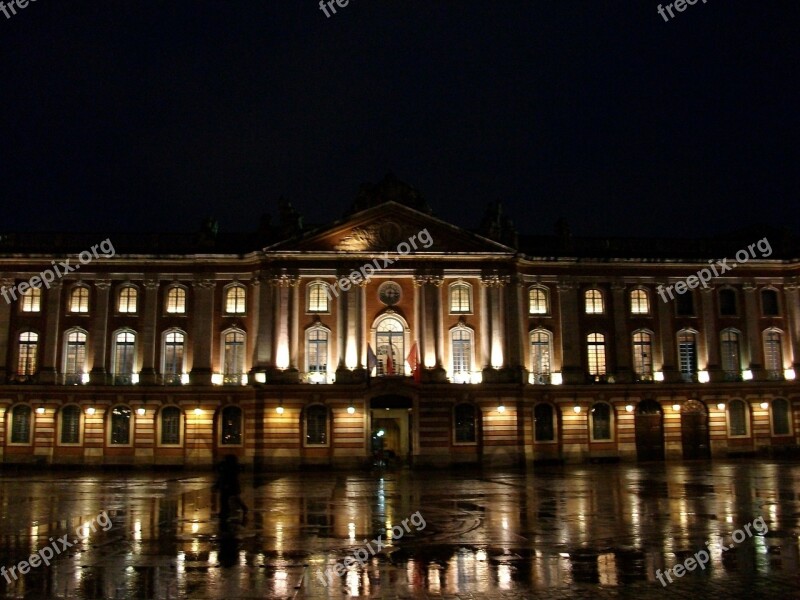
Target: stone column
(790,291)
(484,359)
(623,372)
(255,326)
(49,371)
(285,333)
(710,335)
(667,336)
(264,354)
(99,336)
(494,283)
(203,332)
(147,375)
(513,329)
(754,340)
(5,331)
(294,323)
(571,369)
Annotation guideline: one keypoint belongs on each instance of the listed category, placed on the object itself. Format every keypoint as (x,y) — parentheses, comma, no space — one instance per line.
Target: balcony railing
(72,378)
(233,379)
(122,379)
(775,375)
(315,377)
(171,379)
(732,375)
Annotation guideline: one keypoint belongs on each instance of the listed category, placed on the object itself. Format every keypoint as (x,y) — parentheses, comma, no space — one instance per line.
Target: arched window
(233,356)
(317,354)
(231,426)
(769,303)
(127,299)
(21,424)
(727,303)
(79,299)
(640,302)
(544,422)
(541,354)
(687,354)
(172,356)
(461,351)
(643,355)
(316,423)
(538,301)
(70,424)
(390,347)
(730,354)
(738,419)
(465,424)
(596,354)
(235,300)
(124,354)
(31,300)
(781,417)
(684,304)
(773,354)
(318,297)
(460,298)
(170,425)
(176,300)
(28,352)
(120,426)
(593,300)
(74,356)
(600,418)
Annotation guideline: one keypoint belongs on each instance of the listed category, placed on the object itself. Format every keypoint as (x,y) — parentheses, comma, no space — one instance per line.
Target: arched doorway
(391,427)
(649,431)
(694,430)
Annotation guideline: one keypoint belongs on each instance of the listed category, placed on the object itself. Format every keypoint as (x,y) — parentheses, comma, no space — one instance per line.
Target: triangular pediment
(387,226)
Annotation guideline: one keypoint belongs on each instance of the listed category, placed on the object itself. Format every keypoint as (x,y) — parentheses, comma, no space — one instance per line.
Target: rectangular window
(643,355)
(21,425)
(462,351)
(537,301)
(70,425)
(171,426)
(540,357)
(687,356)
(460,298)
(596,351)
(32,300)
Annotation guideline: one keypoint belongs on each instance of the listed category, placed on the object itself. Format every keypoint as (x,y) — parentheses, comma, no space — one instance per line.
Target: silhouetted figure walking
(228,485)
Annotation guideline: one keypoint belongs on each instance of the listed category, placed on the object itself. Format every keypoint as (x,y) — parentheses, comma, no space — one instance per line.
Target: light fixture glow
(261,377)
(381,433)
(140,411)
(703,377)
(279,409)
(90,410)
(747,375)
(40,410)
(721,405)
(351,409)
(198,411)
(556,379)
(789,374)
(658,375)
(629,407)
(676,407)
(765,405)
(216,378)
(576,408)
(185,379)
(501,408)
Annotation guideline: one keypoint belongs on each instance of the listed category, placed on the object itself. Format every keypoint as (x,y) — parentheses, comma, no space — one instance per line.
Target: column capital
(6,282)
(495,279)
(618,286)
(205,284)
(102,284)
(151,284)
(749,287)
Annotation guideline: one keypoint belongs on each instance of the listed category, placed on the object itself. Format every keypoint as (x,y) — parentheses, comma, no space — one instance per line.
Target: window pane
(596,351)
(544,430)
(28,349)
(729,346)
(594,302)
(685,304)
(124,353)
(640,303)
(773,355)
(737,417)
(317,297)
(127,300)
(601,422)
(121,425)
(171,425)
(75,356)
(234,303)
(79,300)
(642,354)
(316,425)
(176,300)
(234,353)
(537,301)
(21,425)
(231,425)
(780,417)
(769,303)
(465,423)
(462,350)
(460,298)
(540,356)
(687,355)
(70,425)
(317,350)
(32,300)
(173,353)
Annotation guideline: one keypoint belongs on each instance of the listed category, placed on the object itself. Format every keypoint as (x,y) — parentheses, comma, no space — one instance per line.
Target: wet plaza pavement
(589,531)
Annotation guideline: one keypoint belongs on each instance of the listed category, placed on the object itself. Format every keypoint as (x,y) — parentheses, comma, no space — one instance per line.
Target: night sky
(149,116)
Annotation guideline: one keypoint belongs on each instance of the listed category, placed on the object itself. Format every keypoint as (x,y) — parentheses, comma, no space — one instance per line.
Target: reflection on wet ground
(591,531)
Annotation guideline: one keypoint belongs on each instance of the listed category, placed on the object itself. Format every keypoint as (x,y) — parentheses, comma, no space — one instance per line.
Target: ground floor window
(316,425)
(543,421)
(465,424)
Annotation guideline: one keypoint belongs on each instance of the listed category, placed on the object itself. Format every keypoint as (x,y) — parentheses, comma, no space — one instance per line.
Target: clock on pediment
(389,293)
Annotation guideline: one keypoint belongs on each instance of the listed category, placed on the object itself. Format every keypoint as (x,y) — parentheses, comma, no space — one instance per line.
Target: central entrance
(391,421)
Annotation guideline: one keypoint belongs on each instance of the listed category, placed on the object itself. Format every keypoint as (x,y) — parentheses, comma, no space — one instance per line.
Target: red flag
(389,365)
(413,362)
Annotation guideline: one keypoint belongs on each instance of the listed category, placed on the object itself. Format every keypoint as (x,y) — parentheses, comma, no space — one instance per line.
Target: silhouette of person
(228,486)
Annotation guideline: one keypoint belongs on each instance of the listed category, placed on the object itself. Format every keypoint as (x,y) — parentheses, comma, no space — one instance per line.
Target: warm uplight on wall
(765,405)
(576,408)
(134,378)
(350,360)
(85,378)
(316,377)
(703,377)
(185,379)
(658,375)
(629,407)
(351,409)
(216,378)
(282,357)
(261,377)
(430,360)
(497,356)
(789,374)
(556,379)
(747,375)
(90,410)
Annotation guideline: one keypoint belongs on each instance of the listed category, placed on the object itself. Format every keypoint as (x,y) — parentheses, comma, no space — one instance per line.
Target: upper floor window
(460,298)
(128,296)
(173,353)
(176,300)
(541,354)
(79,300)
(318,297)
(233,356)
(593,300)
(74,354)
(769,303)
(643,355)
(538,301)
(727,303)
(730,354)
(32,300)
(684,304)
(773,353)
(317,353)
(596,353)
(28,351)
(461,351)
(124,354)
(235,300)
(640,302)
(687,354)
